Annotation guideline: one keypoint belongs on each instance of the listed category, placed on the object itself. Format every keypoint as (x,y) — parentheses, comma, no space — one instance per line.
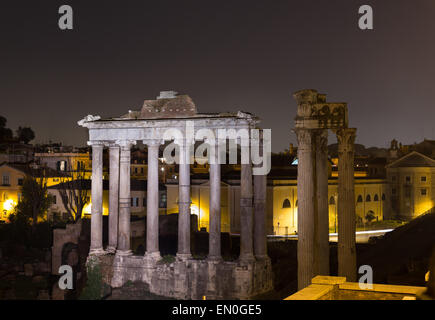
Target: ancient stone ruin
(314,118)
(185,278)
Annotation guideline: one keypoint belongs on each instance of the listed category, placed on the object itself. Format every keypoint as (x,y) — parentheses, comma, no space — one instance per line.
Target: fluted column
(260,192)
(346,204)
(214,244)
(246,210)
(184,201)
(152,246)
(321,255)
(306,206)
(97,199)
(124,198)
(113,197)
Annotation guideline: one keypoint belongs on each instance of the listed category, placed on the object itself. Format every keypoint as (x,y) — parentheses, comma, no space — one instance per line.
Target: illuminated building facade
(411,180)
(12,176)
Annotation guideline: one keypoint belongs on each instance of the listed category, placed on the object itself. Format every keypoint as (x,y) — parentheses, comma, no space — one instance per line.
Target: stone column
(246,212)
(260,192)
(321,256)
(113,197)
(97,199)
(184,201)
(124,199)
(346,204)
(152,246)
(306,206)
(214,244)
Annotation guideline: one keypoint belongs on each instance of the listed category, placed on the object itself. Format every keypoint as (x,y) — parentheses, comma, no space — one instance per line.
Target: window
(141,170)
(163,200)
(423,179)
(332,200)
(53,199)
(5,180)
(61,165)
(135,170)
(286,204)
(408,179)
(134,202)
(359,199)
(131,202)
(19,196)
(296,204)
(368,198)
(376,198)
(20,181)
(383,197)
(423,191)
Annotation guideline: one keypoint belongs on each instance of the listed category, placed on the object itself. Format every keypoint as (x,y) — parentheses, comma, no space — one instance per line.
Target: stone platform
(191,278)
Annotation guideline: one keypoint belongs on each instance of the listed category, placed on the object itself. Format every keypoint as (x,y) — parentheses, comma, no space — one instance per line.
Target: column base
(153,256)
(247,259)
(97,252)
(111,250)
(184,256)
(124,253)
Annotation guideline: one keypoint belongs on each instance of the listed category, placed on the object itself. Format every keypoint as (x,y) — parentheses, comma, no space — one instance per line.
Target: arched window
(376,198)
(359,199)
(286,203)
(383,197)
(368,198)
(331,200)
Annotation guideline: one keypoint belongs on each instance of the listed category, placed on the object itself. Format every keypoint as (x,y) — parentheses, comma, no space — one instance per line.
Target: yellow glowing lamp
(9,204)
(194,209)
(87,208)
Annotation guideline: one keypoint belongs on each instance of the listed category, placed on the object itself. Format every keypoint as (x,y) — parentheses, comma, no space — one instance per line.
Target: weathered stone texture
(190,279)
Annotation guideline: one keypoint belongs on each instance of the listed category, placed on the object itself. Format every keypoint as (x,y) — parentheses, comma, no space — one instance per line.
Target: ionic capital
(96,143)
(125,144)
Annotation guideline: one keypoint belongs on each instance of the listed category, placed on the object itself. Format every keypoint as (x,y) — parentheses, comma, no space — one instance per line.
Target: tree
(74,193)
(25,134)
(6,134)
(35,200)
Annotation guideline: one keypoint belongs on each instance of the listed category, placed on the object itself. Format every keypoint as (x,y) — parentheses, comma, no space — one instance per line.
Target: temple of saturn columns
(314,117)
(186,278)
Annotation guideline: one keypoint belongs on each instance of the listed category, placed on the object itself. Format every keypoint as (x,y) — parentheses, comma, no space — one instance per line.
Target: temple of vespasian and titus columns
(186,278)
(314,117)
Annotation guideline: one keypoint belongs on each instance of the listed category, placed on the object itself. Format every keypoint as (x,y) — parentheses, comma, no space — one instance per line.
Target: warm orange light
(9,204)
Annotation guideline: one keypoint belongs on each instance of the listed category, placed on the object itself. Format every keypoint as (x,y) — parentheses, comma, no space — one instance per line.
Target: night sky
(227,55)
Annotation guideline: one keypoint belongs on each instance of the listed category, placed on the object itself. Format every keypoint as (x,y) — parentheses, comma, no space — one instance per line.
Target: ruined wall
(191,279)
